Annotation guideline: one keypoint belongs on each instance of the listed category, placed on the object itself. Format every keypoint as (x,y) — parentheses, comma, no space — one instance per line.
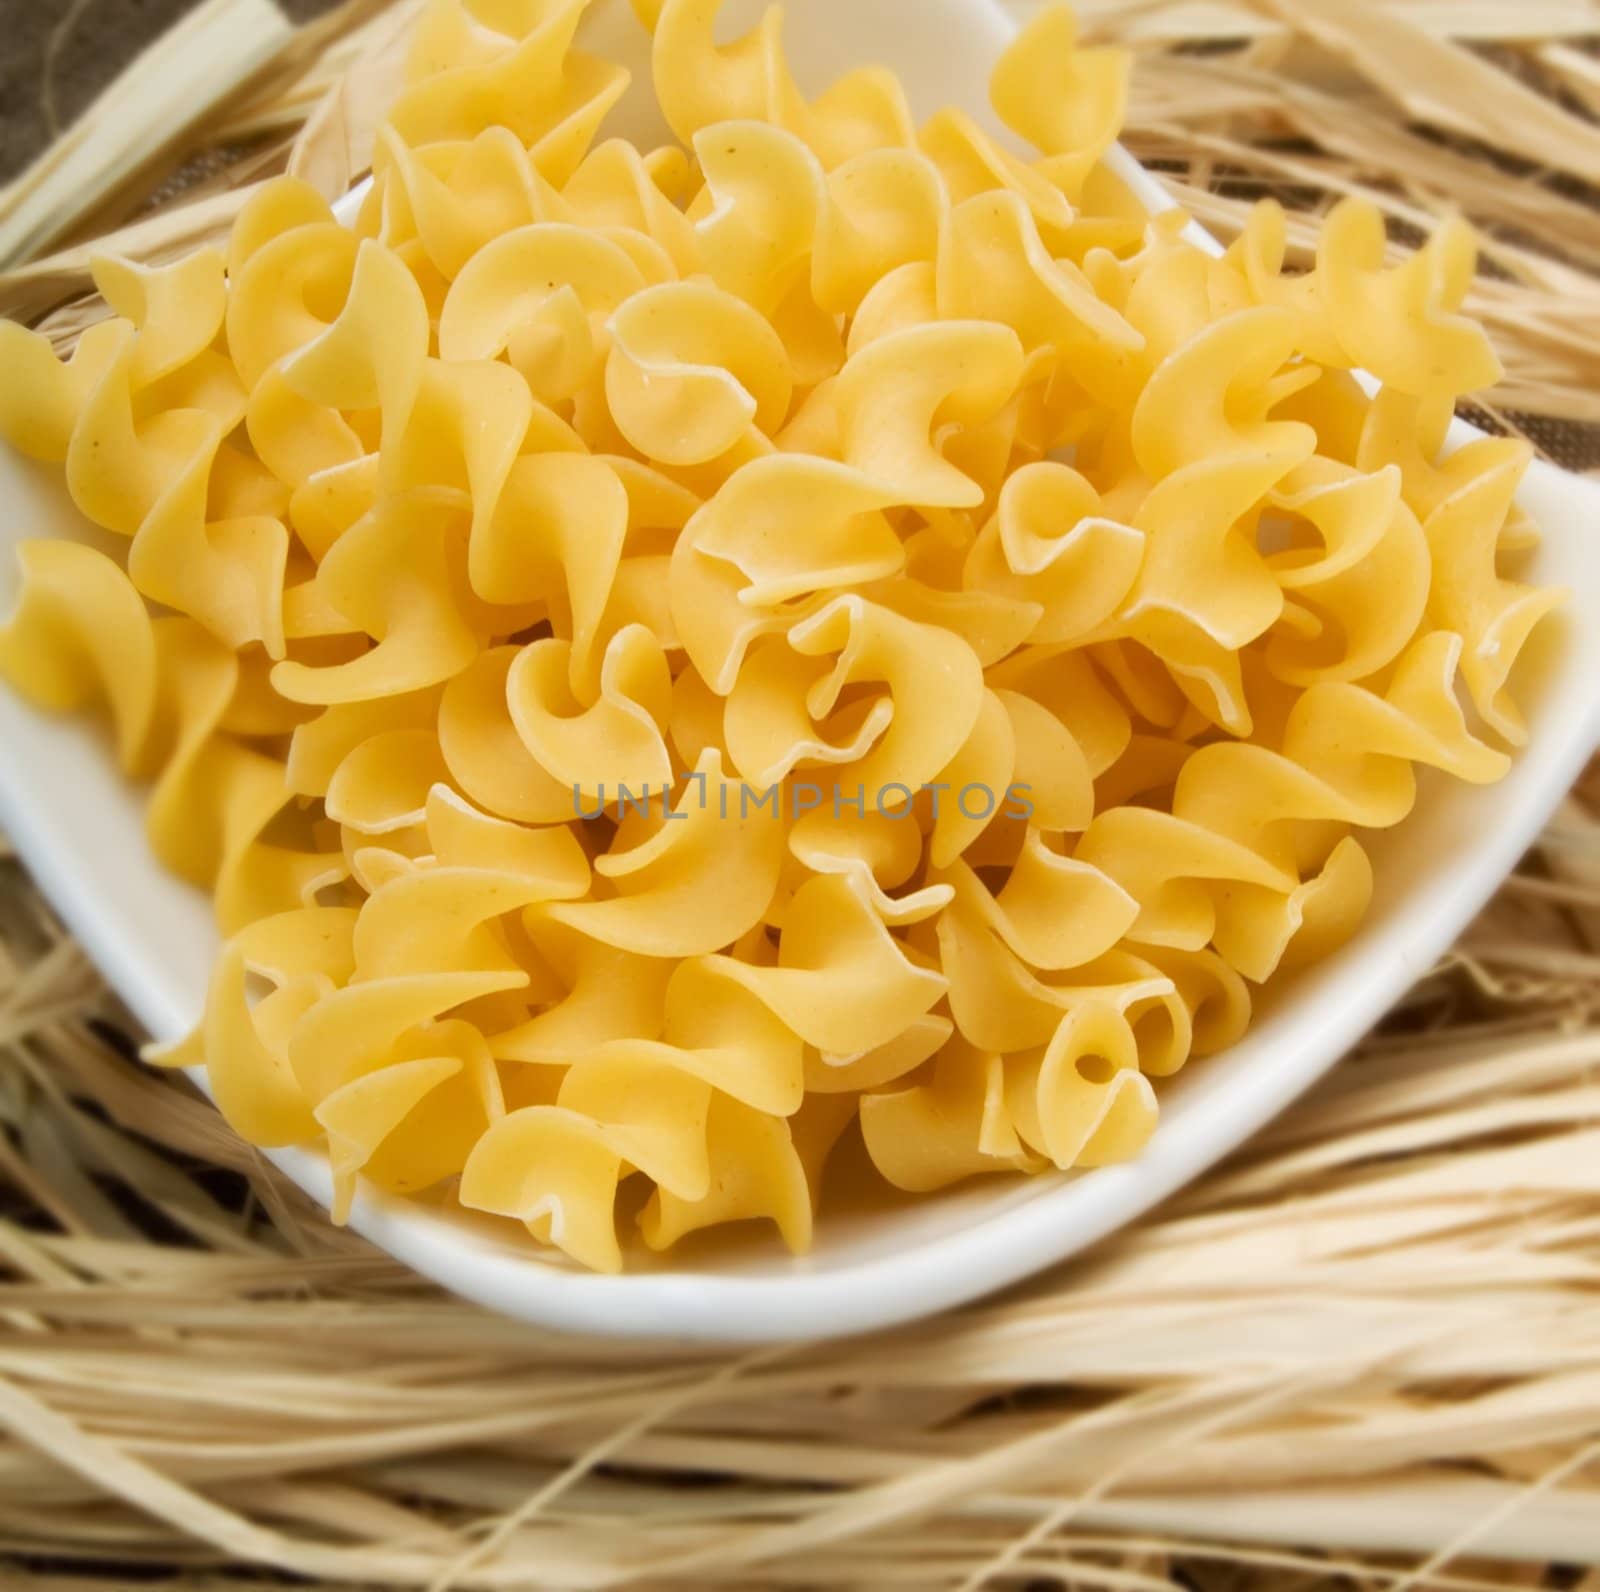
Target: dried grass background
(1366,1351)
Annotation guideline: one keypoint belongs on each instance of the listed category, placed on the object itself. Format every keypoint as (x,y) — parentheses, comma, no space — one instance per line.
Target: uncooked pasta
(671,657)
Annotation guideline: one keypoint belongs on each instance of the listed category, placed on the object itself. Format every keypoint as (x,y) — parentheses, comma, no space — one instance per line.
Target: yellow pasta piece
(699,881)
(1068,102)
(1051,543)
(1494,618)
(534,295)
(893,395)
(883,210)
(616,743)
(81,634)
(691,370)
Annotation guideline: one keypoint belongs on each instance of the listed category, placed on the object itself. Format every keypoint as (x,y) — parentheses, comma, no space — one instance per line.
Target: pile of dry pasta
(1363,1354)
(825,626)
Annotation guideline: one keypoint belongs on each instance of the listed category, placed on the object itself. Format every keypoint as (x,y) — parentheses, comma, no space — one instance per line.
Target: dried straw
(1367,1350)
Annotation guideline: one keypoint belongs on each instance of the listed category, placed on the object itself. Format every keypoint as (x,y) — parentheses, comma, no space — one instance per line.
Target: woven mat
(1366,1350)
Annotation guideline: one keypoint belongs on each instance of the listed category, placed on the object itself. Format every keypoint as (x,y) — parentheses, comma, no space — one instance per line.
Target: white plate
(79,828)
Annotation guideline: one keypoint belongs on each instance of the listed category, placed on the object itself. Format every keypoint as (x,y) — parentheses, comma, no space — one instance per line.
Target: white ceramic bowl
(78,826)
